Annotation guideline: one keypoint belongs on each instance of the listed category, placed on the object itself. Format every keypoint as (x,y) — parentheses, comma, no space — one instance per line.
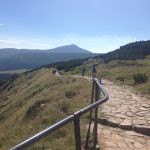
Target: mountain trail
(124,119)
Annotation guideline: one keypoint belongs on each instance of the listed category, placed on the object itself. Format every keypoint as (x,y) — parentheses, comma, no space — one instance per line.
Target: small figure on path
(93,72)
(83,71)
(54,70)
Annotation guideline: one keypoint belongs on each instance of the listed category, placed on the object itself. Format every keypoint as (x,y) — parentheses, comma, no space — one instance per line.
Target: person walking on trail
(93,72)
(53,71)
(83,71)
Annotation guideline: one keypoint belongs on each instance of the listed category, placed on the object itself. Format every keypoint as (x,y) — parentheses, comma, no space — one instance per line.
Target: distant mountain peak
(68,49)
(74,45)
(11,59)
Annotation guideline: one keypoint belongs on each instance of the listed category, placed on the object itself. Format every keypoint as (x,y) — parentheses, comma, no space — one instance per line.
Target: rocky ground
(117,139)
(124,120)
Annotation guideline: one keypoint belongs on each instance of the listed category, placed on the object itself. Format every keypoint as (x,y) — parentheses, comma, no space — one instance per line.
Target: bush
(120,78)
(35,109)
(64,106)
(70,93)
(140,78)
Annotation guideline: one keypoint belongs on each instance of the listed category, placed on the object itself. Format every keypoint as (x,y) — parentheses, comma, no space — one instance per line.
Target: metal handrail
(74,117)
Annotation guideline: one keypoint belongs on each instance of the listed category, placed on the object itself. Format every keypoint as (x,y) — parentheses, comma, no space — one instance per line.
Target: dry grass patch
(36,100)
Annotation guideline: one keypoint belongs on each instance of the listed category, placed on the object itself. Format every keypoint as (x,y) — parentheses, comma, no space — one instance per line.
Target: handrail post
(97,93)
(77,133)
(90,119)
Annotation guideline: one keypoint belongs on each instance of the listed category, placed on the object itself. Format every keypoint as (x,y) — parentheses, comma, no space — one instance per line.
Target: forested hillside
(131,51)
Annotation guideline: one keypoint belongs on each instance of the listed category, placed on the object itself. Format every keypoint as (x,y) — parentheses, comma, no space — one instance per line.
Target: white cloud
(9,42)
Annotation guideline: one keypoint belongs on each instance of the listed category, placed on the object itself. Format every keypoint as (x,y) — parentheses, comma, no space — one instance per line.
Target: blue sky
(96,25)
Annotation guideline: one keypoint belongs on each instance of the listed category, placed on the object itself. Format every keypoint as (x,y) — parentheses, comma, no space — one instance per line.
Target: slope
(122,71)
(36,100)
(8,52)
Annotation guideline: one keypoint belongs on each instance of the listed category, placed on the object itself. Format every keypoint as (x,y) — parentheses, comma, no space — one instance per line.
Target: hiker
(83,71)
(93,72)
(54,71)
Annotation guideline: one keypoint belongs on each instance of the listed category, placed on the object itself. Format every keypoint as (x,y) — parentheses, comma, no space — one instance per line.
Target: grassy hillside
(123,71)
(36,100)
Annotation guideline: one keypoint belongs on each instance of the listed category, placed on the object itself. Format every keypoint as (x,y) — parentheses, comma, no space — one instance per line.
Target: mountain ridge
(28,59)
(7,52)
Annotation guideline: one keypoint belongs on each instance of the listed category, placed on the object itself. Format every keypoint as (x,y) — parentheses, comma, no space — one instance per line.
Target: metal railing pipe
(43,133)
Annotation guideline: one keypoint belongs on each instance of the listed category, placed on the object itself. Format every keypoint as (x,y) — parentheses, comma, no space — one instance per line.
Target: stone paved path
(129,115)
(117,139)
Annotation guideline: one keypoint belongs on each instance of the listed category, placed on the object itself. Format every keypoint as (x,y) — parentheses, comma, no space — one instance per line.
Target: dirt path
(124,119)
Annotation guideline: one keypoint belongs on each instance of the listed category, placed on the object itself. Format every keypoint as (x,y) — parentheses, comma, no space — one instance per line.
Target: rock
(110,144)
(104,121)
(126,125)
(140,114)
(129,114)
(139,122)
(116,136)
(123,146)
(120,116)
(142,129)
(43,106)
(97,147)
(142,108)
(145,105)
(138,145)
(134,110)
(132,133)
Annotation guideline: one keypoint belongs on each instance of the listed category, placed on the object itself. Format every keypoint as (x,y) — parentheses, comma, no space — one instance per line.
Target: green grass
(36,100)
(78,70)
(122,71)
